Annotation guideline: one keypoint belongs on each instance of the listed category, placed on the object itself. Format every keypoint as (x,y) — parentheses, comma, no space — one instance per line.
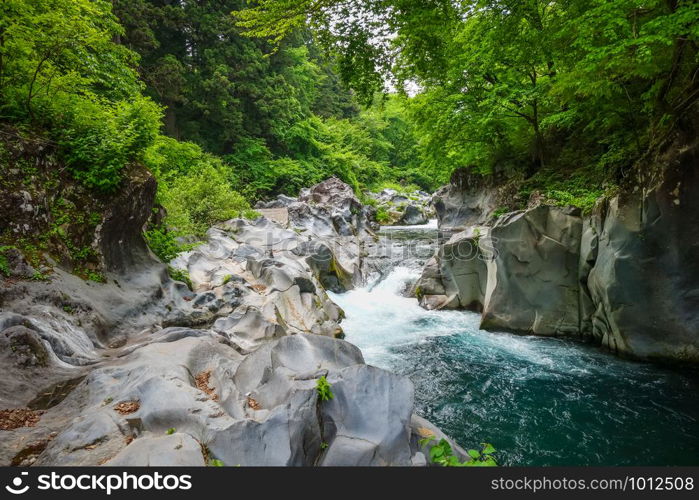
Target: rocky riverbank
(143,370)
(623,276)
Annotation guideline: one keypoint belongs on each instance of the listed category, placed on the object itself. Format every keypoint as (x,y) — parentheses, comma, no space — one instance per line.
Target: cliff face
(469,200)
(48,215)
(625,276)
(643,249)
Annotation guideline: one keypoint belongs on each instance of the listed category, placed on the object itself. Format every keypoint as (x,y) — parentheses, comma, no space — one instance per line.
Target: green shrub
(442,454)
(164,244)
(383,216)
(98,139)
(324,389)
(500,211)
(199,199)
(4,264)
(180,275)
(581,198)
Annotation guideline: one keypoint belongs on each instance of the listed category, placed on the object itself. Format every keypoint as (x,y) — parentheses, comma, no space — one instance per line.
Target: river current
(539,401)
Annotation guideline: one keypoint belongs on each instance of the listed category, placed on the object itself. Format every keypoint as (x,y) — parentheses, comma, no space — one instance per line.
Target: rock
(468,200)
(25,346)
(119,375)
(29,365)
(282,201)
(412,216)
(645,249)
(16,263)
(248,327)
(120,235)
(176,450)
(367,421)
(331,192)
(403,209)
(421,430)
(532,283)
(456,277)
(463,267)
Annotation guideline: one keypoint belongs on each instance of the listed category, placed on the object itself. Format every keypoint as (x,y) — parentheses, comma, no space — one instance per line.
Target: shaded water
(540,401)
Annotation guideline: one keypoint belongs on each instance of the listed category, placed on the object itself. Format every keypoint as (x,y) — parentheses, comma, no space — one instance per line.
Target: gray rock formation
(142,371)
(456,277)
(404,209)
(643,248)
(625,275)
(468,200)
(533,283)
(412,216)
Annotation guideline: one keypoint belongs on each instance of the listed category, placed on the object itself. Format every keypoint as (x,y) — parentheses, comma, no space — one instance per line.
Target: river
(539,401)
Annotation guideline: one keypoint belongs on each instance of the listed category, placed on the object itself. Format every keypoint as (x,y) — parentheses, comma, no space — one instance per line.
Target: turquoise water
(539,401)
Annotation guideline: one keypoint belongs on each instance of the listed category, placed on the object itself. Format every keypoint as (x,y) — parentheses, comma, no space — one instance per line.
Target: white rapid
(379,318)
(540,401)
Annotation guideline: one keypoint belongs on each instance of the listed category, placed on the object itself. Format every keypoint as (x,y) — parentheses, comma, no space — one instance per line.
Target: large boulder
(533,284)
(456,277)
(189,397)
(368,420)
(468,200)
(403,209)
(412,216)
(644,246)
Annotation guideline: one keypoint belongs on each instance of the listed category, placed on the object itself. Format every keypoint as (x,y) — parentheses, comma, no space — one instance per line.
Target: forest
(228,102)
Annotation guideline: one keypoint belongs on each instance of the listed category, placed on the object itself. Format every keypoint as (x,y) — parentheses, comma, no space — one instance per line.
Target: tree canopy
(229,101)
(520,85)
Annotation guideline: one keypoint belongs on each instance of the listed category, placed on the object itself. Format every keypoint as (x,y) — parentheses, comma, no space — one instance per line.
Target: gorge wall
(625,276)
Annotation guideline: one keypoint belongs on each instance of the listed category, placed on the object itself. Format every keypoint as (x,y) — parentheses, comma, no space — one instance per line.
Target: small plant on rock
(215,462)
(170,431)
(180,275)
(442,454)
(4,264)
(483,457)
(324,391)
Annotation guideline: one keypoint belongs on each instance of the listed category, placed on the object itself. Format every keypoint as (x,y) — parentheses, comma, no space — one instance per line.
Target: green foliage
(4,264)
(61,70)
(324,389)
(180,275)
(170,431)
(483,457)
(383,216)
(198,200)
(163,243)
(196,191)
(515,87)
(441,453)
(99,139)
(500,211)
(215,462)
(95,276)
